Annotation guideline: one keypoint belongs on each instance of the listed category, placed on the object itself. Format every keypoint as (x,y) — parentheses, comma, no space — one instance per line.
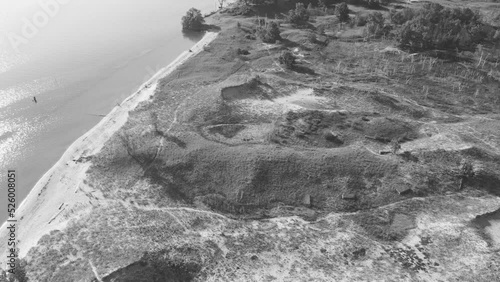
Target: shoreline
(55,198)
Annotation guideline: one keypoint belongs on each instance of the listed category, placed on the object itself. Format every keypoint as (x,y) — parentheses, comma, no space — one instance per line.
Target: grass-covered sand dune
(362,162)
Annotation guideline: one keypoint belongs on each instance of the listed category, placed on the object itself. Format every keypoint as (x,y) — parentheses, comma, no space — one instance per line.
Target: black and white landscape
(289,141)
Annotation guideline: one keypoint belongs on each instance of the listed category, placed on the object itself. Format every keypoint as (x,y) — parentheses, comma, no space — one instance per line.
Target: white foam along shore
(61,194)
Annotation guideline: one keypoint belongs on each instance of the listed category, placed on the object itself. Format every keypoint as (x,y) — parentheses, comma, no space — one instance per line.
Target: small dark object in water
(34,99)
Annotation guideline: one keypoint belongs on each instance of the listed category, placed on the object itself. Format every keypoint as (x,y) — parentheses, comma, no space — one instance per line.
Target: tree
(301,11)
(221,3)
(342,12)
(436,27)
(299,15)
(273,30)
(3,275)
(19,274)
(322,4)
(193,20)
(375,24)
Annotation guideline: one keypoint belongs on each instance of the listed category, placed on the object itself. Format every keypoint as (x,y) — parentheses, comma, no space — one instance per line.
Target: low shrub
(240,10)
(402,16)
(320,30)
(375,25)
(240,51)
(360,20)
(250,37)
(269,33)
(371,4)
(287,59)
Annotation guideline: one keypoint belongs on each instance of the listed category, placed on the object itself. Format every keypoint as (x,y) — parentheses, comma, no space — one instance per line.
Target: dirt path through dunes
(181,209)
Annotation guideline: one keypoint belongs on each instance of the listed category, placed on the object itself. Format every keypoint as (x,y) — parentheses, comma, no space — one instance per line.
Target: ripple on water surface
(15,134)
(13,94)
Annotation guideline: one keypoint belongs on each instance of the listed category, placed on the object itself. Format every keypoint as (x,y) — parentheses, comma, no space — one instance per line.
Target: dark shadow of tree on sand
(196,36)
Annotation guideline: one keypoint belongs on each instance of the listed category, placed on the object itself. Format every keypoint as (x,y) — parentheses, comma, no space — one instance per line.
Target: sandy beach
(61,194)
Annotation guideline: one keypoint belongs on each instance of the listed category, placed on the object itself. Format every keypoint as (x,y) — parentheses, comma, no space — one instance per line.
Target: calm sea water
(79,58)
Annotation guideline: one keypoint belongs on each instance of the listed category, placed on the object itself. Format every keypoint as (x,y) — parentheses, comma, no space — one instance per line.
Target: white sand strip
(63,183)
